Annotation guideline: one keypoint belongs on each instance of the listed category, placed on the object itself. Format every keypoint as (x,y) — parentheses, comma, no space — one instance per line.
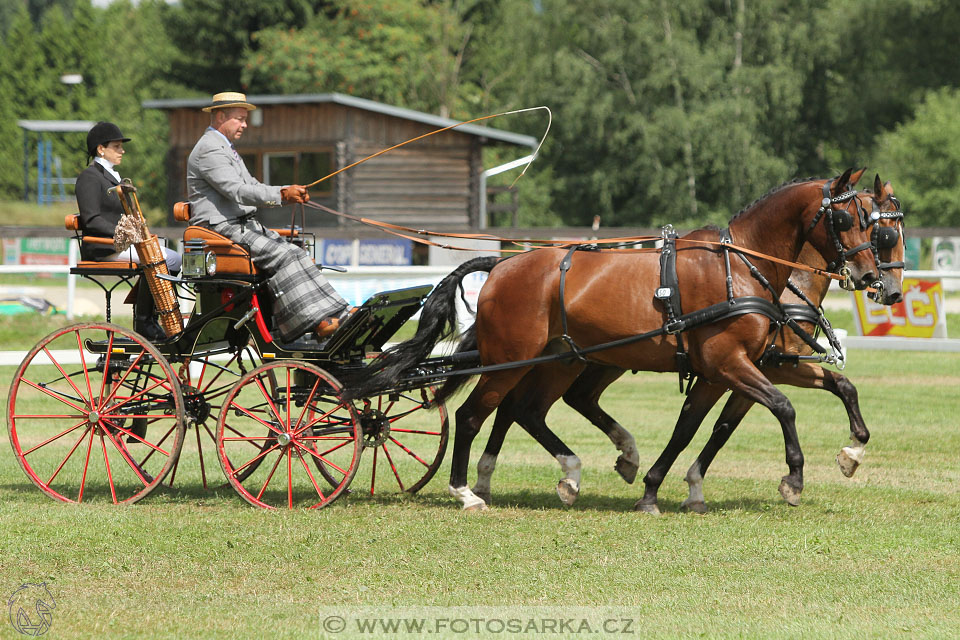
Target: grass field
(869,557)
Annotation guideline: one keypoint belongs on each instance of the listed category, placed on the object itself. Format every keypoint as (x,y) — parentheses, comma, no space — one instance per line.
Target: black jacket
(99,211)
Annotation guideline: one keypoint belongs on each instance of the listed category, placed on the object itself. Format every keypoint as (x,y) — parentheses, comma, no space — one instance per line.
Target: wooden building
(296,139)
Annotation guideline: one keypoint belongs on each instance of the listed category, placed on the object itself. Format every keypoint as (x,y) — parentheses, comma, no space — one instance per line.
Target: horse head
(841,229)
(886,238)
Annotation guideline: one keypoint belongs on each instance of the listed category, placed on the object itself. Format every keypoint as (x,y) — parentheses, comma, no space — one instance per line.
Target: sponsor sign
(920,315)
(36,251)
(374,253)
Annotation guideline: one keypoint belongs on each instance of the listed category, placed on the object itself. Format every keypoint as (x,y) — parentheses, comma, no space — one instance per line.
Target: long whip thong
(454,126)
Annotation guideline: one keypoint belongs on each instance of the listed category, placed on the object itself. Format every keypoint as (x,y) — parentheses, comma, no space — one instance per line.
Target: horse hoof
(568,491)
(627,469)
(848,460)
(790,492)
(695,506)
(646,508)
(467,498)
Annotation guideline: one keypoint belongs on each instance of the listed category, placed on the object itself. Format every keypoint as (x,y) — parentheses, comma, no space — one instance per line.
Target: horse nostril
(894,298)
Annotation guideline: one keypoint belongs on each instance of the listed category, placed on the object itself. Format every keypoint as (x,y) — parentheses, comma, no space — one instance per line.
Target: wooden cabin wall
(429,183)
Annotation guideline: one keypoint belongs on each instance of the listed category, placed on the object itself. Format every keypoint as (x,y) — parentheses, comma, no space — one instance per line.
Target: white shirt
(106,164)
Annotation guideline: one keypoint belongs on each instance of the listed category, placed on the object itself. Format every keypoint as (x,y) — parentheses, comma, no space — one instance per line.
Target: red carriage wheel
(408,436)
(95,413)
(205,383)
(277,434)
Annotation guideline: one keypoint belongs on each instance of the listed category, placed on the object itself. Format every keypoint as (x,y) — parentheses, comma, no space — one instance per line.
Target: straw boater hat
(229,99)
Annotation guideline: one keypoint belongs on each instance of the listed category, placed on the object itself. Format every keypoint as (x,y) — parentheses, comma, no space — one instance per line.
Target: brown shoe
(329,326)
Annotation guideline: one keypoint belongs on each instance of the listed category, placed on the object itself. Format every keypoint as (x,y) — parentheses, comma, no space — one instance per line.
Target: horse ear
(878,186)
(840,184)
(855,177)
(888,189)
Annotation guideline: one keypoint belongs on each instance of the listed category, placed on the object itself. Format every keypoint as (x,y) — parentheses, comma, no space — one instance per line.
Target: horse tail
(438,320)
(468,342)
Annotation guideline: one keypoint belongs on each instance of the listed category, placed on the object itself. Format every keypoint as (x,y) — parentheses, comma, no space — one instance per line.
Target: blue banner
(373,253)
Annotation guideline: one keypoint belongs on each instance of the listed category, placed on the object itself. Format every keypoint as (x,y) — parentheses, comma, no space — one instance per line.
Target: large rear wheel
(95,413)
(205,382)
(277,433)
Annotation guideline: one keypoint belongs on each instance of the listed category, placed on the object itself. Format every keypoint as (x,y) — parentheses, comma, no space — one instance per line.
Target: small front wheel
(280,420)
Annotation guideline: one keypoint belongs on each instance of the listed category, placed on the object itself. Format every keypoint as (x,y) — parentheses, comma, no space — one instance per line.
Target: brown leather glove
(294,193)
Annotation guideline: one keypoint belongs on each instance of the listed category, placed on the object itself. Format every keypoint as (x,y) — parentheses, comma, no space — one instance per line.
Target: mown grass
(869,557)
(19,213)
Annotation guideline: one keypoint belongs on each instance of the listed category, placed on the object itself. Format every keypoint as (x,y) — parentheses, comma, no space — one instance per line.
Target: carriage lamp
(194,258)
(211,263)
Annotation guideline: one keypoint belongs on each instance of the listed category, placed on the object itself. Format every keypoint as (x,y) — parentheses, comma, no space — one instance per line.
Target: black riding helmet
(102,133)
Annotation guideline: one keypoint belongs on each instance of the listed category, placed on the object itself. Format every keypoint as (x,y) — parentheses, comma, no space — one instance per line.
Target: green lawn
(868,557)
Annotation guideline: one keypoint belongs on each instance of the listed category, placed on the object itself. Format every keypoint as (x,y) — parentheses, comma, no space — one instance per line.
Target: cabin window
(279,168)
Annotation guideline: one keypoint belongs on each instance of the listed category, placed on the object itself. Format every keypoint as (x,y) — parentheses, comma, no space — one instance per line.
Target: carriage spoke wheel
(408,438)
(279,432)
(205,383)
(95,413)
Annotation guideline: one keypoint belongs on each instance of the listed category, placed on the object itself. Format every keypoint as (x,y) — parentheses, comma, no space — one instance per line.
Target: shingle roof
(358,103)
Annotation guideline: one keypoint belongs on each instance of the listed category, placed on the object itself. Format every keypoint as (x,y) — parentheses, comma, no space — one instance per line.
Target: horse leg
(813,376)
(730,416)
(703,395)
(483,400)
(568,488)
(488,460)
(528,404)
(584,396)
(748,381)
(850,456)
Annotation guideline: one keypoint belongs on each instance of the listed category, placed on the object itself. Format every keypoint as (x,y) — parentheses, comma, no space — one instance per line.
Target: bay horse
(608,296)
(529,401)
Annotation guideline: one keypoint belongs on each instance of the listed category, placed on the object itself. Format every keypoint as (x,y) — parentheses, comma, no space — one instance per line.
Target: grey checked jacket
(219,186)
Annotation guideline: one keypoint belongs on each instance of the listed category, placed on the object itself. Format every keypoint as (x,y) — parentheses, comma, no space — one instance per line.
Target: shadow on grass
(521,500)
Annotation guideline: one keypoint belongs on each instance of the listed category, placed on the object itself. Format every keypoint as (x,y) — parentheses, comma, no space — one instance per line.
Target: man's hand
(295,193)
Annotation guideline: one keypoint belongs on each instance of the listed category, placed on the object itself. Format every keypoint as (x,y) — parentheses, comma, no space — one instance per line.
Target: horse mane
(789,183)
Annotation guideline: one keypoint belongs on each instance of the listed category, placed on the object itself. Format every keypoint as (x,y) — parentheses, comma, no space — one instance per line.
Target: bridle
(840,220)
(884,238)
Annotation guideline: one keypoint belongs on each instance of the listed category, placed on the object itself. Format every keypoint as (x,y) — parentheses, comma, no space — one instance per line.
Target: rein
(412,234)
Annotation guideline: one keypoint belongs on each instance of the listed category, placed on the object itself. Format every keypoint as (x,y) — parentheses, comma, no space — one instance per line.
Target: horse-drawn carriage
(97,410)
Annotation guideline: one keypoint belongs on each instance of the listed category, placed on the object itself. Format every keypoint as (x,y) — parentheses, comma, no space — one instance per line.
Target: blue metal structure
(49,168)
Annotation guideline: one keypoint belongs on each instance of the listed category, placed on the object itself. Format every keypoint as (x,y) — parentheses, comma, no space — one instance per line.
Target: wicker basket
(164,296)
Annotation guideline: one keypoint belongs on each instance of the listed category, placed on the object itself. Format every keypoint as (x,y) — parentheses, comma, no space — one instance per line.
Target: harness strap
(565,265)
(669,295)
(713,313)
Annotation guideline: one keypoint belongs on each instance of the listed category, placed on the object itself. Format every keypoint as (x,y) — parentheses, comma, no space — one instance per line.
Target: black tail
(468,342)
(438,320)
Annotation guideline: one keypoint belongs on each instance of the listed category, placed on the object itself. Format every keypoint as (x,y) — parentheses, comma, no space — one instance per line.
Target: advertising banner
(393,252)
(920,315)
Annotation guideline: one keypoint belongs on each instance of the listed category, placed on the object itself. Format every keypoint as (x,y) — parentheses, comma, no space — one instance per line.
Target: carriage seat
(232,258)
(95,267)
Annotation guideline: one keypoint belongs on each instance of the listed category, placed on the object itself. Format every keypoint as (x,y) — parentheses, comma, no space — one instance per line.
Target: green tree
(921,158)
(137,31)
(402,52)
(212,39)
